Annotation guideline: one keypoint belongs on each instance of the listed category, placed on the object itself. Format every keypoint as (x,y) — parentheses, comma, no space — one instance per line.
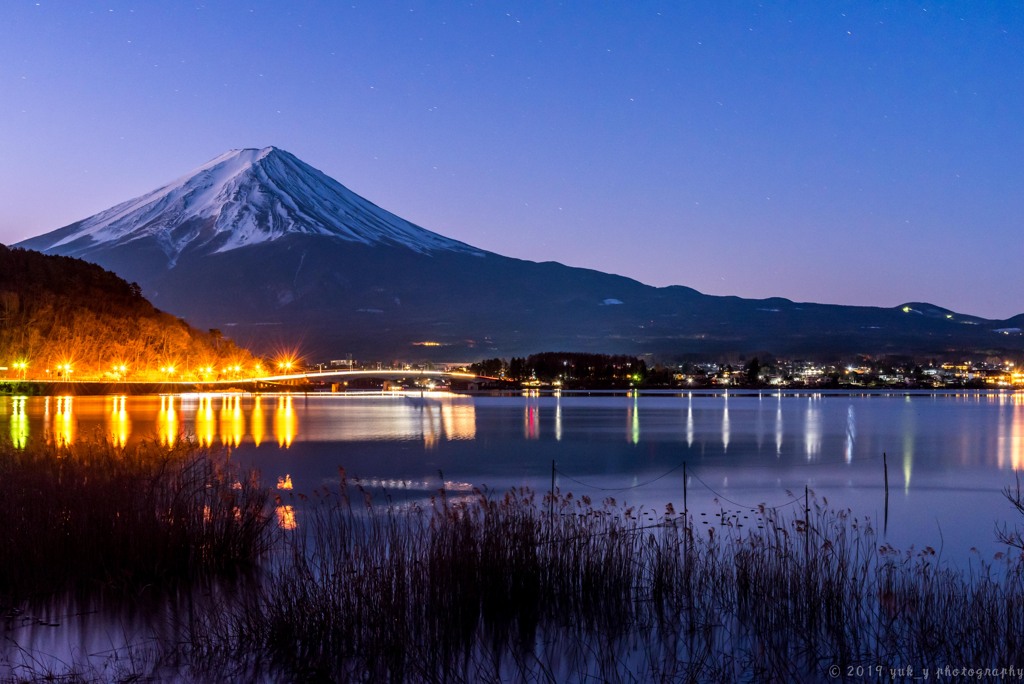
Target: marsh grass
(93,519)
(487,588)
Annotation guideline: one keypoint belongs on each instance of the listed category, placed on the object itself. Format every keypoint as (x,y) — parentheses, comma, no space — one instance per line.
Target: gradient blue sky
(842,152)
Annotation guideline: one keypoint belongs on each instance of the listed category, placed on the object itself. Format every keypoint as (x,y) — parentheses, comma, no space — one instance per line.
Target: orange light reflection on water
(1017,432)
(206,427)
(64,422)
(214,419)
(19,423)
(167,421)
(258,421)
(458,420)
(285,423)
(120,425)
(232,420)
(286,517)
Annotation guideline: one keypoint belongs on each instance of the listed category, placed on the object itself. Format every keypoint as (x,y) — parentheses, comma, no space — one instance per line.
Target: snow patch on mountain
(246,197)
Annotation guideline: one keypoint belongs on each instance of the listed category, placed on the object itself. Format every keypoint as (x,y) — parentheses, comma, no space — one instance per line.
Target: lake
(947,456)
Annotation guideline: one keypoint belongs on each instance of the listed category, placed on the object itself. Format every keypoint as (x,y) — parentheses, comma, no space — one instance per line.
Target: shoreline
(100,388)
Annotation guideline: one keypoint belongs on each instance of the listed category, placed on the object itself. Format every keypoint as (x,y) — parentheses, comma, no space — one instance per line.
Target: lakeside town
(563,370)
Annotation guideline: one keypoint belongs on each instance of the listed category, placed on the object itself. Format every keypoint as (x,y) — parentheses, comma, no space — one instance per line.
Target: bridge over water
(364,373)
(247,382)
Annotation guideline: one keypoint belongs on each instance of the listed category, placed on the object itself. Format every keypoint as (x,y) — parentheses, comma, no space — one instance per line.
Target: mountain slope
(260,244)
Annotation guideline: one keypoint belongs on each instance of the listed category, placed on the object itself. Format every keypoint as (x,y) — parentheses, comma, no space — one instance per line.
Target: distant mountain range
(278,255)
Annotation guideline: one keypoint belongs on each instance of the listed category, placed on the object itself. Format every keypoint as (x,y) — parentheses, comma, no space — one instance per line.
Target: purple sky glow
(840,152)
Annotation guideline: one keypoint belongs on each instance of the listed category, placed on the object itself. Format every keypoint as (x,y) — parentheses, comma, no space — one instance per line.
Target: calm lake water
(949,456)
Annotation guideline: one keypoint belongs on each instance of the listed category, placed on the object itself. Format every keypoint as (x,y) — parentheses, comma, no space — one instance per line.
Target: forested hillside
(64,317)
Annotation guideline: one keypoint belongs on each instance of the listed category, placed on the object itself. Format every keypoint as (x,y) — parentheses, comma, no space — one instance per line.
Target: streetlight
(21,366)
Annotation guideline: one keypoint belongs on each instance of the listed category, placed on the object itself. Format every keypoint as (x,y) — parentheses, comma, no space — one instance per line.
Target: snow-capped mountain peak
(243,197)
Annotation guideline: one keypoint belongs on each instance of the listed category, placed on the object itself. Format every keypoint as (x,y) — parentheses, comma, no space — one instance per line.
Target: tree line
(58,311)
(568,367)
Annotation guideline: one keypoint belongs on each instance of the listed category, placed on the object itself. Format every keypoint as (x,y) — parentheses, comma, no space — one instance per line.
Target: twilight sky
(840,152)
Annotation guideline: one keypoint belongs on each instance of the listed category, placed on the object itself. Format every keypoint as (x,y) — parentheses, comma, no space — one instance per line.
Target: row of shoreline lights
(63,369)
(121,370)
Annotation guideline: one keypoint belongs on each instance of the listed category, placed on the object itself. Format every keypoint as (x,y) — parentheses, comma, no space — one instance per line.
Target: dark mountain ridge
(278,254)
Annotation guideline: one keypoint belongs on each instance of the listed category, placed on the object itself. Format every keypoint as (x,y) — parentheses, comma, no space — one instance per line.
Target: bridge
(299,376)
(340,374)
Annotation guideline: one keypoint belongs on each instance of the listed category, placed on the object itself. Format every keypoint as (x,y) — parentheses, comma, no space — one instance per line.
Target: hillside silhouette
(59,312)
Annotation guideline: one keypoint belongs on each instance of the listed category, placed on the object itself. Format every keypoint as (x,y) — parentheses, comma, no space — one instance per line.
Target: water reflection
(851,432)
(286,517)
(812,428)
(725,424)
(909,433)
(258,421)
(531,422)
(236,419)
(689,419)
(1017,433)
(459,421)
(19,423)
(64,421)
(430,425)
(167,422)
(119,424)
(232,421)
(285,423)
(977,428)
(778,427)
(558,418)
(205,424)
(964,444)
(633,418)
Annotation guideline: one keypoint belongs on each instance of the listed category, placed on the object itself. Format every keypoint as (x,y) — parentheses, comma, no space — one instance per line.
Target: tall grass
(480,587)
(495,589)
(94,519)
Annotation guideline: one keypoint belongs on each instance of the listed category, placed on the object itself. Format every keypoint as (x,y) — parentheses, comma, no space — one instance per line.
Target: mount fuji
(278,255)
(241,198)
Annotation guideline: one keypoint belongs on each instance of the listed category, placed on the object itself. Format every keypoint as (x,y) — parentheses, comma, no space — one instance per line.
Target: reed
(94,519)
(478,587)
(482,588)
